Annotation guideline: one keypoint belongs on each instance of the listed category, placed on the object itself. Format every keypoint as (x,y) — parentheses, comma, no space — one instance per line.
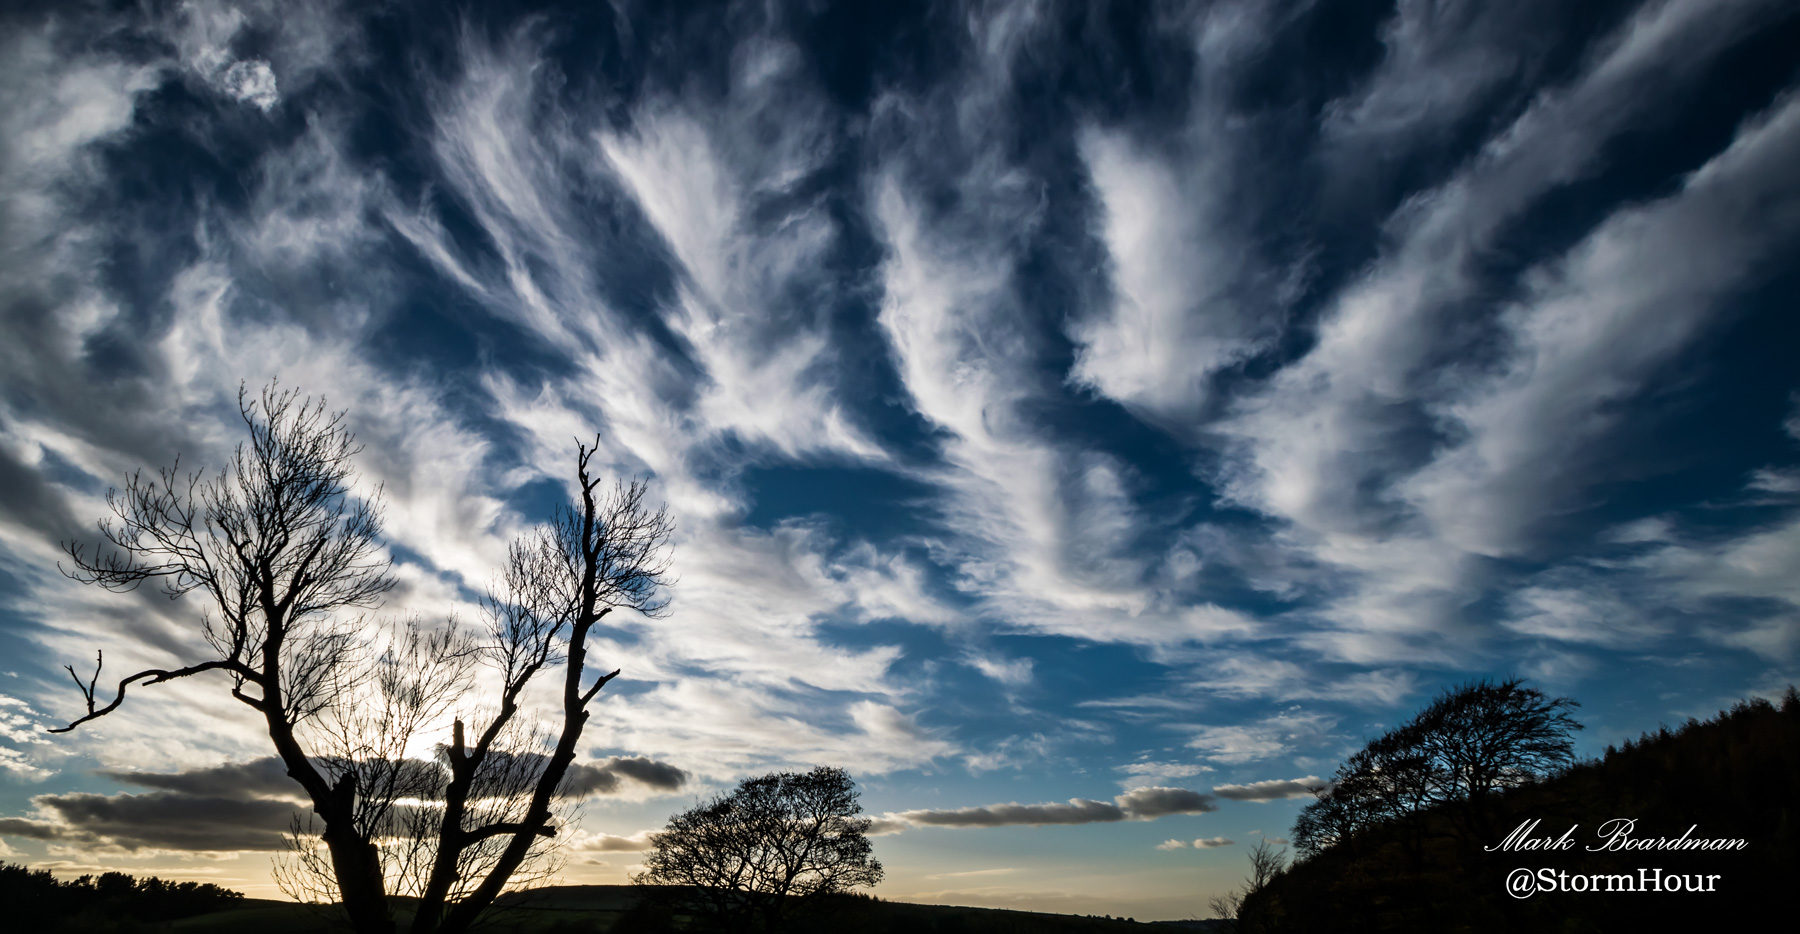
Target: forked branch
(148,676)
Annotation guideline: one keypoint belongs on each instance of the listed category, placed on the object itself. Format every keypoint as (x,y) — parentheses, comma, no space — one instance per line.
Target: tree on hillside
(1731,778)
(1391,777)
(752,859)
(1484,737)
(278,547)
(1471,742)
(1247,909)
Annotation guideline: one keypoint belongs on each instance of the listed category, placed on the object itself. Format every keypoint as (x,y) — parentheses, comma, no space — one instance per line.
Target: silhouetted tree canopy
(35,900)
(1472,741)
(752,859)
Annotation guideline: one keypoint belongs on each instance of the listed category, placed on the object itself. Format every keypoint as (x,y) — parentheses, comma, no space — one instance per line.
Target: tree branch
(503,829)
(589,695)
(151,676)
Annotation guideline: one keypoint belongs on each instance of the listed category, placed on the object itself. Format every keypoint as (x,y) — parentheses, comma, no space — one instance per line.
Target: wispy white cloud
(1185,303)
(1283,733)
(1595,328)
(766,356)
(19,728)
(1190,295)
(1158,427)
(1328,444)
(749,600)
(1047,533)
(1151,773)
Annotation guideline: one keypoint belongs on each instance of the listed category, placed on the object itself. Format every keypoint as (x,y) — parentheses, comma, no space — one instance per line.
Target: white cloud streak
(1329,445)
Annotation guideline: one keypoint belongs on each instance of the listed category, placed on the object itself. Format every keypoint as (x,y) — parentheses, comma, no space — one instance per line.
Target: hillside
(1732,777)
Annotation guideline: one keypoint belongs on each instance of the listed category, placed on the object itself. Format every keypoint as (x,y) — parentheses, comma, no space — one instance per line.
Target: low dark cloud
(1136,804)
(268,778)
(607,843)
(29,829)
(247,806)
(658,775)
(1151,803)
(879,826)
(1077,811)
(606,778)
(585,780)
(163,820)
(258,778)
(1271,790)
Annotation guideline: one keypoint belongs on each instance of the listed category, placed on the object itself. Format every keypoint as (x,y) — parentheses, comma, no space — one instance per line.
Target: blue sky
(1058,402)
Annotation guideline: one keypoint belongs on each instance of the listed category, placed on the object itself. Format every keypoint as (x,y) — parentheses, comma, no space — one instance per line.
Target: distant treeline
(35,900)
(1736,776)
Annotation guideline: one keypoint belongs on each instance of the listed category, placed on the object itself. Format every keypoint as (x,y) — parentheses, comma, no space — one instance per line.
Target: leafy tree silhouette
(755,858)
(1471,742)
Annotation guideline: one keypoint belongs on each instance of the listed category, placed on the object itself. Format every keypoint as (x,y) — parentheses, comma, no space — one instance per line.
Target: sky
(1085,423)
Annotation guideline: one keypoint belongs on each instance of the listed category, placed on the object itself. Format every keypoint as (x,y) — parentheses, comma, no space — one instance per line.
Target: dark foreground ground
(608,909)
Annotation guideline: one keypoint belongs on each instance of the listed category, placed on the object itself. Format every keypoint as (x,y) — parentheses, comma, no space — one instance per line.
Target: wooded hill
(1734,776)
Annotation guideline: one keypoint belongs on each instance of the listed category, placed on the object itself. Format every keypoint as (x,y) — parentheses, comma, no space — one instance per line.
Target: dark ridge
(1729,778)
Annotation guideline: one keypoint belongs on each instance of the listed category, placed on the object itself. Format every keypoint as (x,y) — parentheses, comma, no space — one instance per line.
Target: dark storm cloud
(583,780)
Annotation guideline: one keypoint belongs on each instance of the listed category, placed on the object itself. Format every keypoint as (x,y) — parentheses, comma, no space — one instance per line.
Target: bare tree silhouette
(278,546)
(756,857)
(1243,908)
